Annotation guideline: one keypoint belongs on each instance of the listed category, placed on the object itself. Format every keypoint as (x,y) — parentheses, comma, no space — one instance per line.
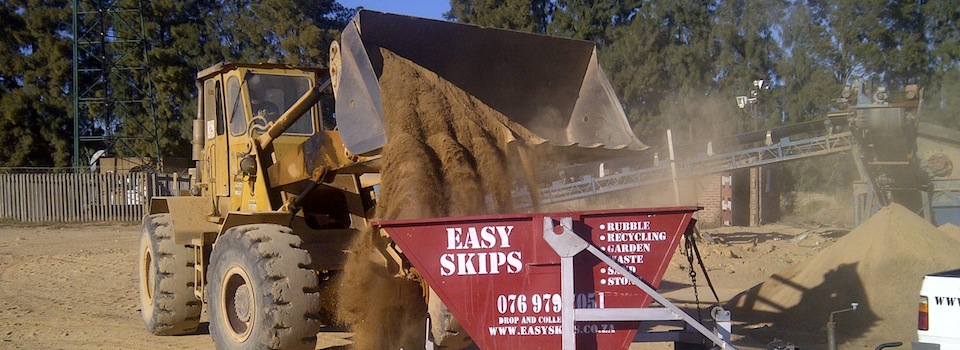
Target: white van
(938,326)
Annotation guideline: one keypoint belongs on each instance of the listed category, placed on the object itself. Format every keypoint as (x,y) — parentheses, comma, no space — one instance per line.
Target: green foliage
(590,20)
(528,16)
(188,36)
(34,74)
(661,58)
(36,53)
(941,102)
(655,51)
(809,80)
(674,63)
(746,46)
(680,64)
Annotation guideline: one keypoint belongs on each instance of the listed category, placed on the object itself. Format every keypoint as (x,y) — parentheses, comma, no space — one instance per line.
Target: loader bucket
(501,276)
(551,86)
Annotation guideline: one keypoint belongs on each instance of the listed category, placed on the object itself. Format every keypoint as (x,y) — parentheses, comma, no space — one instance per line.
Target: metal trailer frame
(568,244)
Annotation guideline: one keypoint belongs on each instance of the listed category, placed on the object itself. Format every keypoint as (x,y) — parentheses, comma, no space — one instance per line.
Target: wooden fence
(70,197)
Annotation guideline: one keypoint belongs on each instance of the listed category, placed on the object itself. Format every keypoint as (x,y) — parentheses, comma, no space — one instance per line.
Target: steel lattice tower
(113,96)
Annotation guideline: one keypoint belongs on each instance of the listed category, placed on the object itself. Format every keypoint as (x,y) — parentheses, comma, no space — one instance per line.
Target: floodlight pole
(758,182)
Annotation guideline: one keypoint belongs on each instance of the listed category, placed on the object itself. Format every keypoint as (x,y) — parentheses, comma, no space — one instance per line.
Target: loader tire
(166,270)
(445,331)
(262,293)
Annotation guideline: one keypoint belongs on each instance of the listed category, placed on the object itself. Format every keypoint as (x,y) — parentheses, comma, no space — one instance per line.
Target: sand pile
(448,154)
(880,265)
(951,230)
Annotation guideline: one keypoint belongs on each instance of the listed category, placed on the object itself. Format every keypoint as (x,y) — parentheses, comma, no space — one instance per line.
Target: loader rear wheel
(445,331)
(166,270)
(262,292)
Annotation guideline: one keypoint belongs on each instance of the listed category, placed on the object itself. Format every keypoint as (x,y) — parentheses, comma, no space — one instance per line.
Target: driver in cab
(261,107)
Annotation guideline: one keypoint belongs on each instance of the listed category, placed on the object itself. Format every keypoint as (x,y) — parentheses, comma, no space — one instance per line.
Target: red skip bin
(502,280)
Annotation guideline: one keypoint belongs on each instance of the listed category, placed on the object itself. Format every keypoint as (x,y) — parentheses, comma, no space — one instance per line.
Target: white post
(673,169)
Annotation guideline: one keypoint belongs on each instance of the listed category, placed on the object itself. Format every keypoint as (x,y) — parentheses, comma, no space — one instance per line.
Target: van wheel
(166,270)
(263,294)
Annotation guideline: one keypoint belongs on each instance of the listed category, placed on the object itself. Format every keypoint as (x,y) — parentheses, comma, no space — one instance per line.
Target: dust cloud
(447,154)
(694,120)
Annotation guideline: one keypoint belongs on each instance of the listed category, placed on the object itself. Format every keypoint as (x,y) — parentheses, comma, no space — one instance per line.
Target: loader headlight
(248,165)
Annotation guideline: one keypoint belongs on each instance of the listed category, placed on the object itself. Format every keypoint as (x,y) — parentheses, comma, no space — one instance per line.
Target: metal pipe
(831,326)
(758,169)
(832,335)
(888,345)
(197,139)
(76,85)
(199,135)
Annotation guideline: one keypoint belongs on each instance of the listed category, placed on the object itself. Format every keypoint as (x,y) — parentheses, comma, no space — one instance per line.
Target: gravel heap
(879,265)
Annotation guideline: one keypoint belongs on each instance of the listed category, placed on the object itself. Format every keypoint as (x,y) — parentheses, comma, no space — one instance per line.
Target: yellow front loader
(277,195)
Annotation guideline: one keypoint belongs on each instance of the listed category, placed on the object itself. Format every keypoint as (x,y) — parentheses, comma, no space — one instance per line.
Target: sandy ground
(74,286)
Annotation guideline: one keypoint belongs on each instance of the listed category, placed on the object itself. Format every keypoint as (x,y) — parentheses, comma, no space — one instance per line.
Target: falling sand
(447,154)
(879,265)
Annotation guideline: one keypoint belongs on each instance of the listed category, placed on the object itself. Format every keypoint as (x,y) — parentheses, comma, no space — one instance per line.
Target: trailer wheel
(166,270)
(262,292)
(445,331)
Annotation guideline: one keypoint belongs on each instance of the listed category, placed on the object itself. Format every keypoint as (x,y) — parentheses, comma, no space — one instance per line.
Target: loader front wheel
(166,270)
(262,292)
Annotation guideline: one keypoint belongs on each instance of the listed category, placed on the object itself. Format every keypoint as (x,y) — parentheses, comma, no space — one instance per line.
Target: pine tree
(663,57)
(905,46)
(856,29)
(188,36)
(298,32)
(522,15)
(942,26)
(809,84)
(661,60)
(179,47)
(590,20)
(34,83)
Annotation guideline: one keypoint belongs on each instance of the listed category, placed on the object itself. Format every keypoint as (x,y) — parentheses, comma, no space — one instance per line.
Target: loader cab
(237,103)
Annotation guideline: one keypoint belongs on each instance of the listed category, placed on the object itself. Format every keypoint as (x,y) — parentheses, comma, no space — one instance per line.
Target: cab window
(272,95)
(213,108)
(238,123)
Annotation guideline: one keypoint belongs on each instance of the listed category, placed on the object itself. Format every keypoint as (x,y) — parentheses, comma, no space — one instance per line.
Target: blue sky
(419,8)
